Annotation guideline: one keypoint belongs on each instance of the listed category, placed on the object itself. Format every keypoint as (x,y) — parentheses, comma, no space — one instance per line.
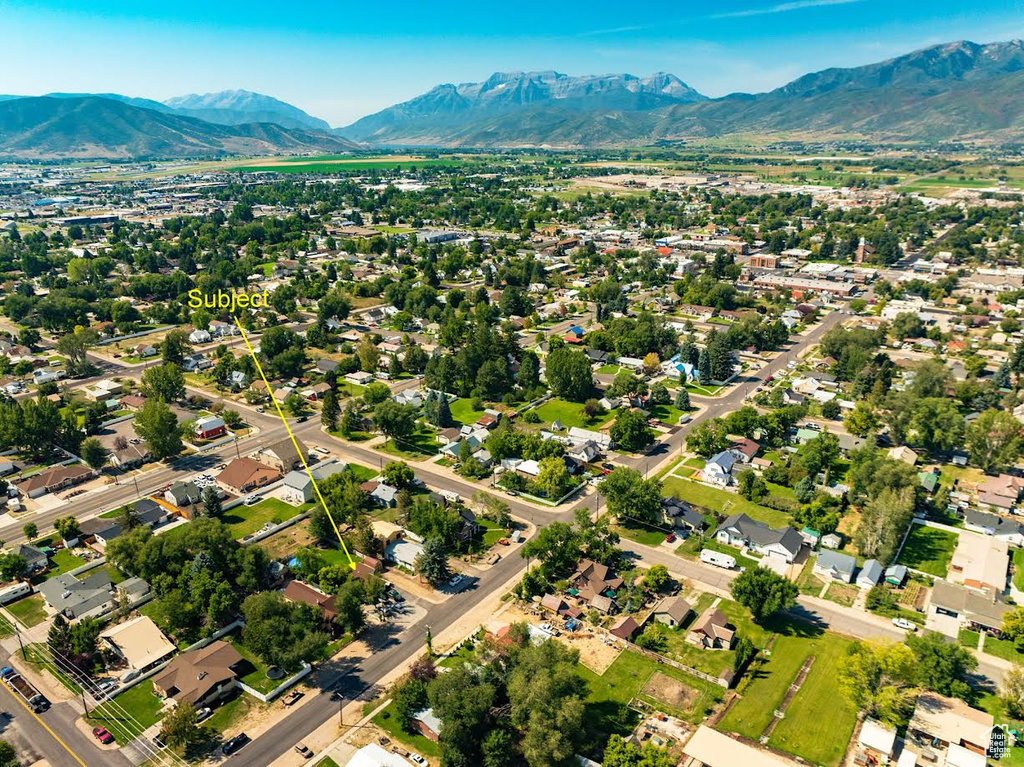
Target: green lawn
(667,414)
(691,549)
(1018,569)
(722,501)
(62,561)
(421,444)
(363,473)
(1003,648)
(608,370)
(624,679)
(140,703)
(463,410)
(969,638)
(29,611)
(768,683)
(818,723)
(388,722)
(244,520)
(256,675)
(646,536)
(929,550)
(238,709)
(116,576)
(570,414)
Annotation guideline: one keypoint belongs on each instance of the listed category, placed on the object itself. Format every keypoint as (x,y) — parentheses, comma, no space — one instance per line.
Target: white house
(718,469)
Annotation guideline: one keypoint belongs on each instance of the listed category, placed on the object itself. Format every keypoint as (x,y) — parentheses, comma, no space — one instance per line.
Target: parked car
(235,743)
(670,538)
(396,595)
(293,697)
(252,500)
(203,714)
(417,759)
(101,734)
(903,623)
(303,749)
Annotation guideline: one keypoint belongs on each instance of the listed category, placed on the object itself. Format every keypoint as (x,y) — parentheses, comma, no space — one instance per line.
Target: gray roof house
(740,530)
(870,574)
(149,512)
(183,494)
(682,514)
(77,598)
(672,611)
(34,557)
(718,469)
(836,566)
(1010,530)
(299,489)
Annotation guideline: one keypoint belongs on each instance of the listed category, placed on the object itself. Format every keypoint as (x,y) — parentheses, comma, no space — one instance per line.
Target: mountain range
(67,126)
(955,91)
(961,91)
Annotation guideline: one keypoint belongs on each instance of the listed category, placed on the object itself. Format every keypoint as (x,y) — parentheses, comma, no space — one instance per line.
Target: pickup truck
(21,687)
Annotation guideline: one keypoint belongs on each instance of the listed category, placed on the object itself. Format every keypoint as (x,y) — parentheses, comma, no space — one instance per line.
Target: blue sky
(341,60)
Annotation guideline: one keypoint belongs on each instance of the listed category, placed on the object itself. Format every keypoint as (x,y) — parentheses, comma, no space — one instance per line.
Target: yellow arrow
(295,442)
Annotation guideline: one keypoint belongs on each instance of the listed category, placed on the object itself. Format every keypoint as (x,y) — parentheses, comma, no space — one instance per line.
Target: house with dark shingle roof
(741,531)
(200,676)
(672,611)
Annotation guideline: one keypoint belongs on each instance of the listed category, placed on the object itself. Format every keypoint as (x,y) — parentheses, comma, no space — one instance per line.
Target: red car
(101,734)
(670,538)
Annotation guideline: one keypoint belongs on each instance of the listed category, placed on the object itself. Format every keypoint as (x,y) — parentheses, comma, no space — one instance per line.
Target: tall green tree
(763,592)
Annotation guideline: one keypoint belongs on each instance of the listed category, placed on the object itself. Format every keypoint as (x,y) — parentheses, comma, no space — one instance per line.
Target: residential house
(381,493)
(870,574)
(625,628)
(600,438)
(876,742)
(980,562)
(149,513)
(742,531)
(944,722)
(55,478)
(210,427)
(238,380)
(303,593)
(195,362)
(711,631)
(952,607)
(144,351)
(244,474)
(682,515)
(35,558)
(202,676)
(1003,528)
(93,596)
(183,494)
(710,748)
(283,456)
(199,336)
(1001,493)
(138,643)
(595,584)
(427,724)
(298,488)
(403,553)
(744,450)
(718,469)
(836,566)
(672,611)
(903,453)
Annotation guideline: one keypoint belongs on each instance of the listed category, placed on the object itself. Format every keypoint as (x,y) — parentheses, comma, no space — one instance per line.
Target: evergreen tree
(704,367)
(444,412)
(329,411)
(683,398)
(211,503)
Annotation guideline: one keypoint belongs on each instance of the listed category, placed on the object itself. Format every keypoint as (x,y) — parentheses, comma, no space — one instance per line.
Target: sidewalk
(330,739)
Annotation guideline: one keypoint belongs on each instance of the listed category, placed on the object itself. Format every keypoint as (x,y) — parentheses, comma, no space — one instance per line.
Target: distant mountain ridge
(955,91)
(239,106)
(67,127)
(508,93)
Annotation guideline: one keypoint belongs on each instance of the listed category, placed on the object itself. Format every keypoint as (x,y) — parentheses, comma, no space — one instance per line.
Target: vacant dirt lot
(670,691)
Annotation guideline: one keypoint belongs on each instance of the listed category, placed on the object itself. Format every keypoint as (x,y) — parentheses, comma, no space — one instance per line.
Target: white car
(203,714)
(903,623)
(417,759)
(252,500)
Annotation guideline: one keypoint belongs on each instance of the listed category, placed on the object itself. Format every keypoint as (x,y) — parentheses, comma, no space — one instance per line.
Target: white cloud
(794,5)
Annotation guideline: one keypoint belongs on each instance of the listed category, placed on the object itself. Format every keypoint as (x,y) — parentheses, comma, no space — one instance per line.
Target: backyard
(928,549)
(244,520)
(570,414)
(387,721)
(722,501)
(422,443)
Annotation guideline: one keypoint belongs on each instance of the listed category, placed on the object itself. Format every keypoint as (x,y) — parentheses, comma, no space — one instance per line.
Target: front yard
(928,549)
(130,713)
(422,443)
(29,611)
